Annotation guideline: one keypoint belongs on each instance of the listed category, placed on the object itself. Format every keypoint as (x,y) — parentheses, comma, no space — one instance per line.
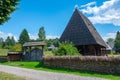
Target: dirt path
(30,74)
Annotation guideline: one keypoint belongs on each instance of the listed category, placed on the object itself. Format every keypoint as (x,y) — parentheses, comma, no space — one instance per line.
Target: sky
(54,15)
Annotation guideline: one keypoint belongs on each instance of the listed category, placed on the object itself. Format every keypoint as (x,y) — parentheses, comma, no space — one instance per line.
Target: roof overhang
(31,44)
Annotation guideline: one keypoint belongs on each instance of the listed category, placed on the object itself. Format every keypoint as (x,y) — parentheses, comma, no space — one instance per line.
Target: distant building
(84,36)
(52,47)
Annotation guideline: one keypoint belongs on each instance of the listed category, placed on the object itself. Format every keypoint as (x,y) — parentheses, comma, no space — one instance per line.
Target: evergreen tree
(12,41)
(24,37)
(1,42)
(41,34)
(8,41)
(6,8)
(117,42)
(110,42)
(54,42)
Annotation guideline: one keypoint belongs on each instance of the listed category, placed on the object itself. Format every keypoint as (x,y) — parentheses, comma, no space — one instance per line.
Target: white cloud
(109,35)
(108,12)
(76,6)
(33,36)
(52,37)
(89,4)
(5,35)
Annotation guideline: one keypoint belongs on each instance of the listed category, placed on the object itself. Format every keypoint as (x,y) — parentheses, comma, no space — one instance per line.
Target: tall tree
(41,34)
(110,42)
(24,37)
(12,41)
(1,42)
(6,8)
(117,42)
(8,41)
(54,42)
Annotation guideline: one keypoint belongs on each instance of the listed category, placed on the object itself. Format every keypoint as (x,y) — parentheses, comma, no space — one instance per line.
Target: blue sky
(54,16)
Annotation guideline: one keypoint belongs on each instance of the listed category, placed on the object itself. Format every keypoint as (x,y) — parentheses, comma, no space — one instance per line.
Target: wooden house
(83,34)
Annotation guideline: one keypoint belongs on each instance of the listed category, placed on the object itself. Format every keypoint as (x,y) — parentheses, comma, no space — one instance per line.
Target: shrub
(66,48)
(16,47)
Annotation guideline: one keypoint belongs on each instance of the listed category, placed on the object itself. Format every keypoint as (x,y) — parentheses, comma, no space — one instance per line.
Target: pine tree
(41,34)
(117,42)
(8,41)
(24,37)
(6,8)
(12,41)
(1,42)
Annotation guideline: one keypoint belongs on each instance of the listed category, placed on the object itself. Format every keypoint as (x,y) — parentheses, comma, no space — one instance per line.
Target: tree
(54,42)
(1,42)
(7,43)
(110,42)
(66,48)
(117,42)
(6,8)
(41,34)
(16,47)
(12,41)
(24,37)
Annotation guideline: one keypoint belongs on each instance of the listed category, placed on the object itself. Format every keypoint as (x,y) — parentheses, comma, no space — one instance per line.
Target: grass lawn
(39,66)
(5,76)
(3,52)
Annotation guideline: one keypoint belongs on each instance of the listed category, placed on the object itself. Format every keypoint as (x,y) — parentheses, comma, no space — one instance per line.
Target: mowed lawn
(40,66)
(6,76)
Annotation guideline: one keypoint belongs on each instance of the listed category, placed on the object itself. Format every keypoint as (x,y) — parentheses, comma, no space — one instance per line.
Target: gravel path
(30,74)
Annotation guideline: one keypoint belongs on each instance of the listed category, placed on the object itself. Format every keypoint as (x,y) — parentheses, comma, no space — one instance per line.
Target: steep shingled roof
(81,31)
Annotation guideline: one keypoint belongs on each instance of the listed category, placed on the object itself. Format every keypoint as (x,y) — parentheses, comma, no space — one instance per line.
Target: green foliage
(24,37)
(1,42)
(6,8)
(9,42)
(16,47)
(12,41)
(66,48)
(110,40)
(41,34)
(54,42)
(117,42)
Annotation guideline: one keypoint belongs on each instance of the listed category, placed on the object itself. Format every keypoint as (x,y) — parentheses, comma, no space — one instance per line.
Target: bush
(66,48)
(16,47)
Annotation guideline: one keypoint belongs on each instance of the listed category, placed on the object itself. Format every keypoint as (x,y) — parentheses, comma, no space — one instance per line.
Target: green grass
(114,55)
(6,76)
(3,52)
(39,66)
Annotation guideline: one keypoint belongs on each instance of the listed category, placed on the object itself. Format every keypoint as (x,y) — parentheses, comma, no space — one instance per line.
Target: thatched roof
(81,31)
(28,44)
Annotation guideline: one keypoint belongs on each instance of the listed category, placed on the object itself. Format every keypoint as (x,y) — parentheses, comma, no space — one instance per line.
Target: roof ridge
(88,22)
(81,31)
